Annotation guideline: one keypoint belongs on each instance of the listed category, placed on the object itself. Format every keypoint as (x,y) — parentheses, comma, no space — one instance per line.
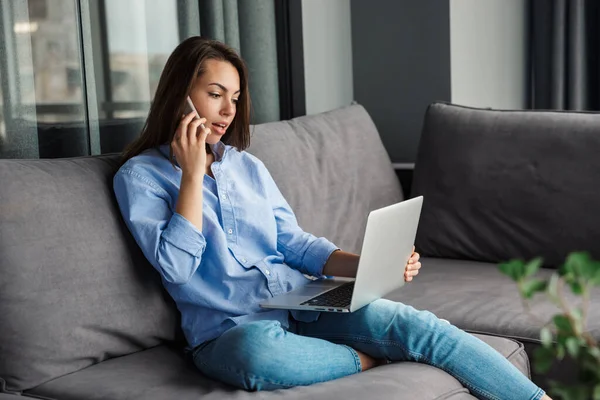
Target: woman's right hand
(189,145)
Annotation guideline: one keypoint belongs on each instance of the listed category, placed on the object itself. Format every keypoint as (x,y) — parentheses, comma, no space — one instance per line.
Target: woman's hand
(412,267)
(189,145)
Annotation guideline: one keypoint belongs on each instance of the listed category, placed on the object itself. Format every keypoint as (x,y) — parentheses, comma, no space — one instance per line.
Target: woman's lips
(218,129)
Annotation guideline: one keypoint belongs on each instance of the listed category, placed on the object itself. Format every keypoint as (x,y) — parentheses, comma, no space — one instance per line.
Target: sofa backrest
(74,287)
(332,168)
(499,185)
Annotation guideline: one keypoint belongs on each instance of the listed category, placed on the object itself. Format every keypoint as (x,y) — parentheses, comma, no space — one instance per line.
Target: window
(77,76)
(41,79)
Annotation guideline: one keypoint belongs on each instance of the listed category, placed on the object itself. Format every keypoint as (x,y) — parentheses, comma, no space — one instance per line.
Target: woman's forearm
(341,263)
(189,203)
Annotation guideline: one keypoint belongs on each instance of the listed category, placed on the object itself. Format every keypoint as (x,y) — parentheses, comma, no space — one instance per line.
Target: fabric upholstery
(83,314)
(161,373)
(333,171)
(74,288)
(476,297)
(499,184)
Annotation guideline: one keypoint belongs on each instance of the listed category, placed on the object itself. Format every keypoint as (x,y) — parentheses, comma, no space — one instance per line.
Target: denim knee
(383,312)
(248,350)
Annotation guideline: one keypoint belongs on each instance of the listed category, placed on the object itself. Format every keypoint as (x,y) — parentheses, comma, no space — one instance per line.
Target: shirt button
(267,272)
(243,260)
(224,197)
(230,231)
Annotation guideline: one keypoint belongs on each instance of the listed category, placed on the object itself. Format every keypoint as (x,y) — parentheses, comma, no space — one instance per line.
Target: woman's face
(215,94)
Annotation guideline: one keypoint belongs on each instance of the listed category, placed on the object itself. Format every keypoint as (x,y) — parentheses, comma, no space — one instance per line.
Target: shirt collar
(218,150)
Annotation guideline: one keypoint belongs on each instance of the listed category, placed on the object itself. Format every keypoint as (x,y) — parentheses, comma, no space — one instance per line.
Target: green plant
(565,335)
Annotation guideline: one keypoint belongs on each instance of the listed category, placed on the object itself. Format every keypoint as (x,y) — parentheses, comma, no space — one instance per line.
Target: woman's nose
(228,109)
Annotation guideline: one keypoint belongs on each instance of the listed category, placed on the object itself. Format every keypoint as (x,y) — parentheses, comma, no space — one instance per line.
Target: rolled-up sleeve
(171,243)
(301,250)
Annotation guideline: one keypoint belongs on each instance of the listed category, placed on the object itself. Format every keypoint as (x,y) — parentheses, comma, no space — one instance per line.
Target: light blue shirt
(250,247)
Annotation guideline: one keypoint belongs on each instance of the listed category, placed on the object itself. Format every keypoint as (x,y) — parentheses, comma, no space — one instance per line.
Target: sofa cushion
(161,373)
(74,288)
(476,297)
(508,184)
(332,168)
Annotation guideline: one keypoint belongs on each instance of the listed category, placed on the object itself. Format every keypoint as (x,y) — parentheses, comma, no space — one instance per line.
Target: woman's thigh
(382,329)
(262,355)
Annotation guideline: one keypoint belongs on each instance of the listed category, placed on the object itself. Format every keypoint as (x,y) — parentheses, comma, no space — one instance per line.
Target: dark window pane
(42,90)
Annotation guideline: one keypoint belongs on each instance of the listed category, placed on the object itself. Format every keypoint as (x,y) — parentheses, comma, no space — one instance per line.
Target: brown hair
(185,64)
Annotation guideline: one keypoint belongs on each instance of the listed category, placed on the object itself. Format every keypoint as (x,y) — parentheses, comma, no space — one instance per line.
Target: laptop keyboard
(338,297)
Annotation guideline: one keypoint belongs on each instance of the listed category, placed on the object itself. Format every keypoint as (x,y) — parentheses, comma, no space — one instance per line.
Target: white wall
(327,37)
(488,53)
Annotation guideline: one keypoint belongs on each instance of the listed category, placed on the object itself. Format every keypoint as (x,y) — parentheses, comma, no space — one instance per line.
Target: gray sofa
(83,315)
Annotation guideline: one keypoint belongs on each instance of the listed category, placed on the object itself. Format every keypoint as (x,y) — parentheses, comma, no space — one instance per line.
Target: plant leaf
(575,261)
(588,269)
(560,351)
(596,279)
(530,287)
(576,287)
(513,268)
(577,314)
(553,287)
(546,337)
(563,324)
(572,345)
(589,368)
(596,395)
(532,267)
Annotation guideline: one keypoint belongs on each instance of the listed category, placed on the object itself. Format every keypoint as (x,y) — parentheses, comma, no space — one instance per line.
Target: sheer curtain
(77,76)
(249,27)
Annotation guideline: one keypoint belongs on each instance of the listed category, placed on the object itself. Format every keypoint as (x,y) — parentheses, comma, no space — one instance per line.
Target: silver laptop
(387,246)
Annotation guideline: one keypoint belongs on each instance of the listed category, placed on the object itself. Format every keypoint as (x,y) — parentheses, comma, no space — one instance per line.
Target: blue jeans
(261,355)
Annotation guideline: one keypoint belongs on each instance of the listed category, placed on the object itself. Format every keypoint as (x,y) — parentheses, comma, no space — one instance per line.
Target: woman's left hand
(412,267)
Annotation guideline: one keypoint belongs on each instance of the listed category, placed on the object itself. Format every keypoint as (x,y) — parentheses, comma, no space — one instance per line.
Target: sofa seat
(162,372)
(477,297)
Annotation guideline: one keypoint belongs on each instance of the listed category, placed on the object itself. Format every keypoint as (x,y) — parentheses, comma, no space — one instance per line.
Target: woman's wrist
(341,263)
(196,177)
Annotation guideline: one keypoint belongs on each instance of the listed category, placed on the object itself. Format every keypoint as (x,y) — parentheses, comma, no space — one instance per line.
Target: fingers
(181,132)
(193,134)
(412,266)
(203,134)
(411,271)
(414,258)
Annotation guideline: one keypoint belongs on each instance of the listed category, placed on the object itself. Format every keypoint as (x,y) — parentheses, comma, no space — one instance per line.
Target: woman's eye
(234,101)
(214,95)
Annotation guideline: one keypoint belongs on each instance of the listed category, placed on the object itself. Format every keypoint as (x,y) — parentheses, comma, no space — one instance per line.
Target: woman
(211,220)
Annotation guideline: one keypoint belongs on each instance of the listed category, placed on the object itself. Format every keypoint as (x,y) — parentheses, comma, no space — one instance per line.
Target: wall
(326,32)
(489,53)
(401,64)
(396,57)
